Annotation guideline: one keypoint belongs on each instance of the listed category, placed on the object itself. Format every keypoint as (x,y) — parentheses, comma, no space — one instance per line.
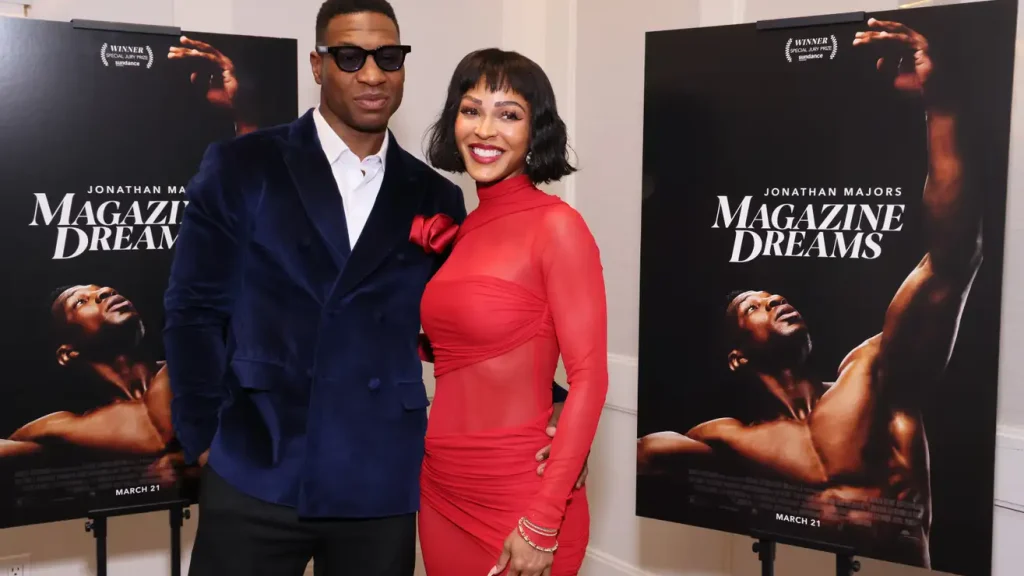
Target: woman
(522,284)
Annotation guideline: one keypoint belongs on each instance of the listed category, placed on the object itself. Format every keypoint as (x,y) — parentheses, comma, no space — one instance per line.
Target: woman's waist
(450,435)
(477,452)
(485,477)
(483,401)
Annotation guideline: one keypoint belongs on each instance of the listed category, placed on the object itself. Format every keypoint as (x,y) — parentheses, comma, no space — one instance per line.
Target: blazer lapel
(389,223)
(316,187)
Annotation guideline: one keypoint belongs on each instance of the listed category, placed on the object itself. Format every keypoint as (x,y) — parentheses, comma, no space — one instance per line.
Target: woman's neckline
(504,187)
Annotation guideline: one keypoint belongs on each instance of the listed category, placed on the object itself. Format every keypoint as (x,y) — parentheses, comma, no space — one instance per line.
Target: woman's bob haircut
(508,71)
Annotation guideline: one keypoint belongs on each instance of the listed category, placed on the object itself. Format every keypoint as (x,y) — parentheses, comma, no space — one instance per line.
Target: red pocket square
(435,233)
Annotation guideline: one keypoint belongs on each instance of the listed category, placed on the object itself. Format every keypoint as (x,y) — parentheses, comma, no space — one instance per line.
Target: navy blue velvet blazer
(292,358)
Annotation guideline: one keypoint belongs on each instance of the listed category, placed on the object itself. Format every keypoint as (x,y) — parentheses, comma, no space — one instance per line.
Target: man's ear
(736,360)
(316,63)
(65,354)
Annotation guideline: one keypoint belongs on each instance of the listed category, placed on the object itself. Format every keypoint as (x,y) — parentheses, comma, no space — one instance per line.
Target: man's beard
(114,340)
(367,128)
(784,352)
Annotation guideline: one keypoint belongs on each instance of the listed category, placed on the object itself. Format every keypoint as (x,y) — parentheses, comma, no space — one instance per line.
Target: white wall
(12,9)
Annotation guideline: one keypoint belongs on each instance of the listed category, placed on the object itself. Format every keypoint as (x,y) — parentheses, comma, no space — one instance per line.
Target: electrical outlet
(14,565)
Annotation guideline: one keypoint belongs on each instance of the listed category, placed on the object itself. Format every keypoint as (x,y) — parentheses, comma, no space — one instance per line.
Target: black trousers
(241,536)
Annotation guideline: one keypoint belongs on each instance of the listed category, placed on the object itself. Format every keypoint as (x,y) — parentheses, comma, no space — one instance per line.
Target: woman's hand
(522,559)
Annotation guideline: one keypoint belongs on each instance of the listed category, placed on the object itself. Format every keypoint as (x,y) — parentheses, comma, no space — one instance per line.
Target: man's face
(366,99)
(768,323)
(94,312)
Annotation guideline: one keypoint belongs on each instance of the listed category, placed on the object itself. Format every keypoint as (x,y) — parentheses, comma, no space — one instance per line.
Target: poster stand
(846,565)
(765,550)
(766,544)
(178,511)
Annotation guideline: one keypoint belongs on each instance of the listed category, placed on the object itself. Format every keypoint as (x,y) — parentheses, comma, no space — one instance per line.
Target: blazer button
(305,242)
(378,316)
(374,383)
(401,256)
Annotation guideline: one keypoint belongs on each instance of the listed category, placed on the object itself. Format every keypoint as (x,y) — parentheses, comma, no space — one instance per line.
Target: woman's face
(493,133)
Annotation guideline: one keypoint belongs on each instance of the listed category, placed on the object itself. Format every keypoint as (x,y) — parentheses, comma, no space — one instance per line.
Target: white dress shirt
(358,181)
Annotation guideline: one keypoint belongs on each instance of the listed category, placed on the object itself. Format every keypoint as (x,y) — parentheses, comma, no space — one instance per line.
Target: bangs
(499,71)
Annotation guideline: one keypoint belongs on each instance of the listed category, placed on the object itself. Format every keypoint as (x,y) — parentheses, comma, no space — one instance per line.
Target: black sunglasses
(352,58)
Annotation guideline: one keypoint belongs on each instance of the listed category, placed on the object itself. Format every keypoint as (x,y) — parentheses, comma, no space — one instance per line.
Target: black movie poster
(822,255)
(100,132)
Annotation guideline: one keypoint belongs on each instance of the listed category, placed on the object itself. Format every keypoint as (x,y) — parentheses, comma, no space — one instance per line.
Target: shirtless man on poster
(862,437)
(98,332)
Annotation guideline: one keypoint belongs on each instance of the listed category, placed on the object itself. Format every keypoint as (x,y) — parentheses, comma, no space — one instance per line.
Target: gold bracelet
(542,531)
(522,533)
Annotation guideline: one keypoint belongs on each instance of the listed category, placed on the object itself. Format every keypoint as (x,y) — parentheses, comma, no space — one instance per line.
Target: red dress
(523,283)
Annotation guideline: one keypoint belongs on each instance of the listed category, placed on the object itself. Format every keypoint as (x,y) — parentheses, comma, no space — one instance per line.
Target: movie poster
(100,132)
(821,266)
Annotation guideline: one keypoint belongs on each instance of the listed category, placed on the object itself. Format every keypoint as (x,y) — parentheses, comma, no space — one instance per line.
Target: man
(97,335)
(293,322)
(861,438)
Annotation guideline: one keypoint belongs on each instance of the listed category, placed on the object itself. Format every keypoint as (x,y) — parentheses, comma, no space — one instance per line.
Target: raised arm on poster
(221,82)
(827,435)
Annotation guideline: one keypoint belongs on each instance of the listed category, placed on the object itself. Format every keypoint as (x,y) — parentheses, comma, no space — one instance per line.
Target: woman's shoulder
(561,225)
(559,217)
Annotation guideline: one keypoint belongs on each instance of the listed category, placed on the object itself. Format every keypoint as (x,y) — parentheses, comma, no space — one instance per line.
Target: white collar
(334,147)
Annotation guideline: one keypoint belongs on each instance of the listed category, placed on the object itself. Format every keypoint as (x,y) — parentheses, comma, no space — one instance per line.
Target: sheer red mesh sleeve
(574,286)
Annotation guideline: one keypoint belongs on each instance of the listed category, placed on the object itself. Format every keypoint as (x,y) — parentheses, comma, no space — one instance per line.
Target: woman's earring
(529,157)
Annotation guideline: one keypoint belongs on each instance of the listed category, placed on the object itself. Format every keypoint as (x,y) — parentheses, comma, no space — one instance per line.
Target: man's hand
(220,88)
(544,452)
(909,43)
(166,470)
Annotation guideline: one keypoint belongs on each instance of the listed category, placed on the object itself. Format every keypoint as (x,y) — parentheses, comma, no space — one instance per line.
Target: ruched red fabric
(522,285)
